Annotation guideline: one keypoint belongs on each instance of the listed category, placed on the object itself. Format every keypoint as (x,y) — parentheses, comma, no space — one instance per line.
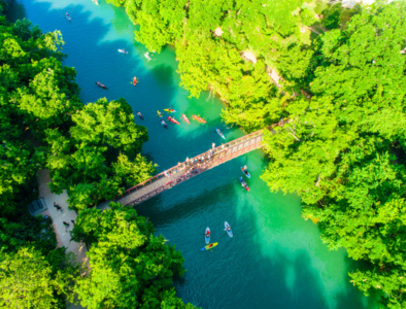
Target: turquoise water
(276,259)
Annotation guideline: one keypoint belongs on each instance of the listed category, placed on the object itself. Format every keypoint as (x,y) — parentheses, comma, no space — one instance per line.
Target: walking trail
(58,216)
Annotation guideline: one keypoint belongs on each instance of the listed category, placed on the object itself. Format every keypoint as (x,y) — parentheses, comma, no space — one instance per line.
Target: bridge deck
(190,168)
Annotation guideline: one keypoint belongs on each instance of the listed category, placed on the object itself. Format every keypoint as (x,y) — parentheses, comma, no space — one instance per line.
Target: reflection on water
(275,259)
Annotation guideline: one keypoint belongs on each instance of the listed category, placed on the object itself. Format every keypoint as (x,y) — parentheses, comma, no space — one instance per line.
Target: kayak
(229,231)
(123,51)
(207,238)
(135,81)
(220,133)
(160,115)
(169,110)
(245,172)
(208,247)
(244,184)
(146,55)
(164,124)
(140,115)
(199,119)
(185,118)
(101,85)
(173,120)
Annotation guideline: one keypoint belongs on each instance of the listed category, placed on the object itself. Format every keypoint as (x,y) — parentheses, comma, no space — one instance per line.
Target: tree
(28,280)
(139,266)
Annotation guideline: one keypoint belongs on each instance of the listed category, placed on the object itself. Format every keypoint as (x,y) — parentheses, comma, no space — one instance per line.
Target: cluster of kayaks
(207,235)
(172,118)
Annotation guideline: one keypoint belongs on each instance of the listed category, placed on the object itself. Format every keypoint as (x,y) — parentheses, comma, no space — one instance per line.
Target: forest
(338,76)
(93,152)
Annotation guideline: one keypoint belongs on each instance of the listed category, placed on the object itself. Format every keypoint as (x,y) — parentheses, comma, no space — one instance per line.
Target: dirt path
(58,216)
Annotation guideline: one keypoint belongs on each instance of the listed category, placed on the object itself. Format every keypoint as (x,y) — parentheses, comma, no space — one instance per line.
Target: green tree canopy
(139,266)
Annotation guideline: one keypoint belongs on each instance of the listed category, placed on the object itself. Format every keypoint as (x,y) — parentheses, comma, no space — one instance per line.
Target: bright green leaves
(102,133)
(133,172)
(108,123)
(28,280)
(129,267)
(11,49)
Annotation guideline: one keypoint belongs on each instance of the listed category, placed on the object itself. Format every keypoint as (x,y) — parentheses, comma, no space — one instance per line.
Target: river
(275,259)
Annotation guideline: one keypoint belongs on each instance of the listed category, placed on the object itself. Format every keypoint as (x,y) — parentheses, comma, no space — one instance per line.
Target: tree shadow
(15,10)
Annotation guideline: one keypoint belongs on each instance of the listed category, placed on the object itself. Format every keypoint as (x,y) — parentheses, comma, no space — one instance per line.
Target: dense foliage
(232,48)
(123,248)
(93,152)
(338,76)
(30,280)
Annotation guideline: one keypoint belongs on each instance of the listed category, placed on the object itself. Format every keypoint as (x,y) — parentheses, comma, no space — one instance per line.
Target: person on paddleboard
(228,228)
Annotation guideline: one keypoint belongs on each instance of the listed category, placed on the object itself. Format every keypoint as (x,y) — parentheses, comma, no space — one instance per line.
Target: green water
(276,259)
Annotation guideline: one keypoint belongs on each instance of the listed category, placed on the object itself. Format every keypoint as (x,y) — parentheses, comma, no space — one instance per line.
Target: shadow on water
(163,75)
(15,10)
(254,269)
(246,265)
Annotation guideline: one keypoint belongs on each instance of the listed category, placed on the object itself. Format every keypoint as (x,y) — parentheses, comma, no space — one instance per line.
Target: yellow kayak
(208,247)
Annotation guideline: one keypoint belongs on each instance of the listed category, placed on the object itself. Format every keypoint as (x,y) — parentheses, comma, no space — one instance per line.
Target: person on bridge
(166,174)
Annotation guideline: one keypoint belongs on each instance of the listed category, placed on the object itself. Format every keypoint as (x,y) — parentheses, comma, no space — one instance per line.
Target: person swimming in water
(67,16)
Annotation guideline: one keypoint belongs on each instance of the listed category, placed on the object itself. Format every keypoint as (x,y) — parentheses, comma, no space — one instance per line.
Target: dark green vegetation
(93,152)
(338,75)
(140,267)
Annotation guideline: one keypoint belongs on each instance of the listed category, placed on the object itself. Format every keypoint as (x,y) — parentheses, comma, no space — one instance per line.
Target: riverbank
(275,258)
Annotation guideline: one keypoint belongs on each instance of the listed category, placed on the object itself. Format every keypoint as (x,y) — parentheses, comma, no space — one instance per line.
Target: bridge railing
(211,153)
(208,154)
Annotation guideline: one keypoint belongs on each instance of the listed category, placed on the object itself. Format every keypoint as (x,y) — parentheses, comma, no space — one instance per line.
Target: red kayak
(195,117)
(135,81)
(244,184)
(173,120)
(185,118)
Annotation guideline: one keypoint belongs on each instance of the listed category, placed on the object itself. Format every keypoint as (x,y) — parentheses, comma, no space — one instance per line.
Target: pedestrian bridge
(190,168)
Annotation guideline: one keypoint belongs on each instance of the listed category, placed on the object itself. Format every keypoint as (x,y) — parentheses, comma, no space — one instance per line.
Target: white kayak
(123,51)
(228,229)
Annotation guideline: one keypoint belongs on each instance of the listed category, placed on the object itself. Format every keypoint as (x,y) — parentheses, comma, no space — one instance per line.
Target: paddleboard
(245,172)
(244,184)
(185,118)
(207,239)
(229,232)
(208,247)
(220,133)
(123,51)
(164,124)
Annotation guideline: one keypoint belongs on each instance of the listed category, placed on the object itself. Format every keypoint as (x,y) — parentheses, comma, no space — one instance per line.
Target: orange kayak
(199,119)
(185,118)
(135,81)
